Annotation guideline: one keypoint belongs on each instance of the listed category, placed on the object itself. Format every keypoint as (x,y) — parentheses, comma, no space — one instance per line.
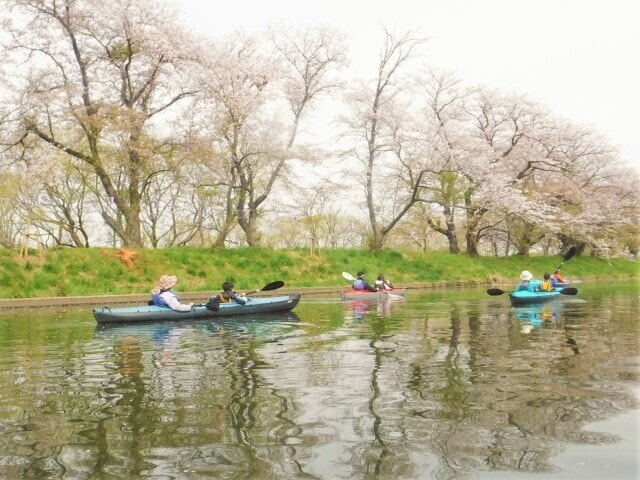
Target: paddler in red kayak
(362,284)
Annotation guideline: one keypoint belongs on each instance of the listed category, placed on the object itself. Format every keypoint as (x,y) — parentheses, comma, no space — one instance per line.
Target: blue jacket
(530,286)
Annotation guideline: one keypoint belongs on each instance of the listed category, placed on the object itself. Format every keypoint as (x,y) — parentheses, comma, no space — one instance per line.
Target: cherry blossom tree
(90,79)
(440,131)
(256,98)
(110,111)
(376,125)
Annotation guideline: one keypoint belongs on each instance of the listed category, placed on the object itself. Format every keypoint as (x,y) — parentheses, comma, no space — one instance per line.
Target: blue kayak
(525,297)
(147,313)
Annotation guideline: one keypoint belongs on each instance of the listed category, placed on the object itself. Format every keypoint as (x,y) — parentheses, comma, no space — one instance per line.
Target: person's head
(227,286)
(547,276)
(380,277)
(526,275)
(360,274)
(167,282)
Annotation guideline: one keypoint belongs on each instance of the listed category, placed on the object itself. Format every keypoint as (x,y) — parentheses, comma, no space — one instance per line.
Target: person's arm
(173,302)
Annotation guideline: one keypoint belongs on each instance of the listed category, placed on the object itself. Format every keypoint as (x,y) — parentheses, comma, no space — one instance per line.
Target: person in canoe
(383,284)
(557,280)
(547,284)
(228,294)
(362,284)
(528,283)
(164,296)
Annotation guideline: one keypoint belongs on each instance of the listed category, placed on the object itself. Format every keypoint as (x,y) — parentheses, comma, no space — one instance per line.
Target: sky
(579,58)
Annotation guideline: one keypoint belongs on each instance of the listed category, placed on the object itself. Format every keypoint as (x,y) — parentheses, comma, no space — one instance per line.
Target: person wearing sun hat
(163,295)
(527,282)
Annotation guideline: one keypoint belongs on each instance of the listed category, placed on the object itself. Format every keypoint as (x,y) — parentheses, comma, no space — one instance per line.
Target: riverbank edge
(196,297)
(201,297)
(137,299)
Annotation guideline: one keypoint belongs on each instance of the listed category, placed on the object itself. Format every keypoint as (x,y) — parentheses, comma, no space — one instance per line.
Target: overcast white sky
(577,57)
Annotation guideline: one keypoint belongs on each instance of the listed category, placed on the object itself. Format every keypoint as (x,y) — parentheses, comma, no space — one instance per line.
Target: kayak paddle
(567,256)
(495,291)
(348,276)
(269,286)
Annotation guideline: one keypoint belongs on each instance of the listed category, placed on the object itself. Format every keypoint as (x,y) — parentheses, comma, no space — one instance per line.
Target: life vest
(559,278)
(159,301)
(226,297)
(358,284)
(546,286)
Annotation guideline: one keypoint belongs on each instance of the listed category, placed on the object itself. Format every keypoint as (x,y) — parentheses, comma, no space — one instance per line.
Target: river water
(446,384)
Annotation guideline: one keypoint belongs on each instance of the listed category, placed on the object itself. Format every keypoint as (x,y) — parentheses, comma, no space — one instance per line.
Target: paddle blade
(272,286)
(569,255)
(569,291)
(495,291)
(269,286)
(348,276)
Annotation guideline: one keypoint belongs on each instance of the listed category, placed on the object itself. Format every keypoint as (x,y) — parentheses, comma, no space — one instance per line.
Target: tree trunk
(472,243)
(449,233)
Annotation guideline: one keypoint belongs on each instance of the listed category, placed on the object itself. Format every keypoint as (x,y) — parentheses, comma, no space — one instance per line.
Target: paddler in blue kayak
(547,284)
(557,280)
(528,283)
(163,295)
(227,295)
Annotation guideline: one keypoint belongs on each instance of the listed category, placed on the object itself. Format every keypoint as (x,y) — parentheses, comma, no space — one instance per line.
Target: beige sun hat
(167,281)
(526,275)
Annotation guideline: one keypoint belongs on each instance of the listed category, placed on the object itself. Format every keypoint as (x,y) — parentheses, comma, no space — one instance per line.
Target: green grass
(93,271)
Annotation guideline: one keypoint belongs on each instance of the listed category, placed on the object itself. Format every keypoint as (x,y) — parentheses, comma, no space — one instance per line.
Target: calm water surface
(441,385)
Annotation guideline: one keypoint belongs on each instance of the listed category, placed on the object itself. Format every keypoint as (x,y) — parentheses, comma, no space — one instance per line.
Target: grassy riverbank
(79,272)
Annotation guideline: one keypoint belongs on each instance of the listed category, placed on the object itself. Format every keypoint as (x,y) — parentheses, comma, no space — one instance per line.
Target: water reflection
(532,316)
(546,315)
(440,385)
(357,309)
(207,392)
(265,327)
